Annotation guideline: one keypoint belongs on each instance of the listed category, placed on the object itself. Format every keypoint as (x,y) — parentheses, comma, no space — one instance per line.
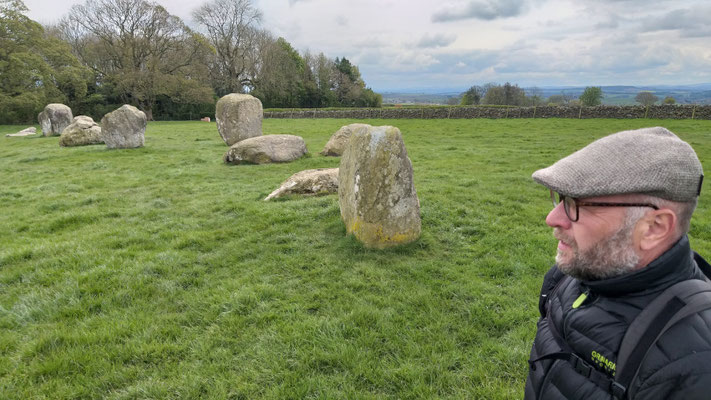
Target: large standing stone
(376,191)
(339,140)
(266,149)
(124,128)
(25,132)
(83,131)
(54,119)
(309,182)
(238,117)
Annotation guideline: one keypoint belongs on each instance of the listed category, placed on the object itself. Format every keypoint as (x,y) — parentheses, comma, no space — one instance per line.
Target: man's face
(599,245)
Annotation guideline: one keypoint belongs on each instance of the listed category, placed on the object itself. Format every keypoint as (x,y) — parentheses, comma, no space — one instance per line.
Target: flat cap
(651,161)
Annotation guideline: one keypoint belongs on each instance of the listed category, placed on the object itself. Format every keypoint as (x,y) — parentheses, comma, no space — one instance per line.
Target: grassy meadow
(159,272)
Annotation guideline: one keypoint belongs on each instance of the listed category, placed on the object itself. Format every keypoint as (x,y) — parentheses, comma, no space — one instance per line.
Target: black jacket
(677,367)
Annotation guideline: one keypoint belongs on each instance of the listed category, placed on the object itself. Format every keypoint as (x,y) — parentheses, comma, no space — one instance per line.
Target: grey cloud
(691,22)
(341,20)
(437,40)
(611,23)
(481,9)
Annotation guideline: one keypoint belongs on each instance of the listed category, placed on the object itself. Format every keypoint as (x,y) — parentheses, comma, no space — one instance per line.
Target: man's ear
(656,228)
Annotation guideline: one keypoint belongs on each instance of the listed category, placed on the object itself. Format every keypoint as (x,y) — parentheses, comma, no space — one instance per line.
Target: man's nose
(557,218)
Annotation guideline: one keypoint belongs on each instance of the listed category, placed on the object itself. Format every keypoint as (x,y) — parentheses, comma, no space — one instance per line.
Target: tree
(506,94)
(534,97)
(669,100)
(139,51)
(592,96)
(323,72)
(556,99)
(472,96)
(232,27)
(35,68)
(646,98)
(280,79)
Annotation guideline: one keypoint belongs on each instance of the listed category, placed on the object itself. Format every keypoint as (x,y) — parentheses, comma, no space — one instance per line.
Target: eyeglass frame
(577,203)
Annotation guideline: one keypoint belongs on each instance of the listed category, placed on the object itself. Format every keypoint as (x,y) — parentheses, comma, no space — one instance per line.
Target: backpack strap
(675,303)
(703,265)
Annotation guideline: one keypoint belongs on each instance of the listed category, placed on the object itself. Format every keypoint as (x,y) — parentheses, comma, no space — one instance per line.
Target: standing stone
(339,140)
(54,118)
(238,117)
(124,128)
(309,183)
(376,191)
(83,131)
(266,149)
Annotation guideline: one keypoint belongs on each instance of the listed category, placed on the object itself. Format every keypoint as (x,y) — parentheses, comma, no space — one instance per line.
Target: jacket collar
(675,265)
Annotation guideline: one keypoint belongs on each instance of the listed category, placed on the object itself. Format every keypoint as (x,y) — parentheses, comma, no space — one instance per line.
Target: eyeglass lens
(569,205)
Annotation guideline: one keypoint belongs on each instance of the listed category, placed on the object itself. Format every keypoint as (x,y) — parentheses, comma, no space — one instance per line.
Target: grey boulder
(266,149)
(309,182)
(25,132)
(54,118)
(338,141)
(376,190)
(124,128)
(82,131)
(238,117)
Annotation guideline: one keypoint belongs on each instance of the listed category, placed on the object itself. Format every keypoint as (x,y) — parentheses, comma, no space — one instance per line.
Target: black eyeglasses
(570,205)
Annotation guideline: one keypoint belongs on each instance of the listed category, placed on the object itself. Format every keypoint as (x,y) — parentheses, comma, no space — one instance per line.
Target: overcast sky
(454,44)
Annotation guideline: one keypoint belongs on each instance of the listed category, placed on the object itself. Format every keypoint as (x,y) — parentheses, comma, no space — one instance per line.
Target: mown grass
(160,273)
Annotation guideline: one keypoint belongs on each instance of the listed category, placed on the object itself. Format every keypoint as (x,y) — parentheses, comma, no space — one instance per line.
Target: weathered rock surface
(266,149)
(82,131)
(338,141)
(124,128)
(25,132)
(54,119)
(238,117)
(309,182)
(376,191)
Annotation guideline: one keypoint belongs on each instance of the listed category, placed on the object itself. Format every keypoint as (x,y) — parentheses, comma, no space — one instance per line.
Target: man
(622,207)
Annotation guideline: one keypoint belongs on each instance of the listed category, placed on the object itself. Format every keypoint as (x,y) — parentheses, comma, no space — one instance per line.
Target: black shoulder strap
(675,303)
(703,265)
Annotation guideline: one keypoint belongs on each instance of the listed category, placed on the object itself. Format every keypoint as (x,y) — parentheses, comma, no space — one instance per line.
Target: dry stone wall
(620,112)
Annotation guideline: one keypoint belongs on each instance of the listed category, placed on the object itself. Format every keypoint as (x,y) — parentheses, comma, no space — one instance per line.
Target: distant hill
(612,95)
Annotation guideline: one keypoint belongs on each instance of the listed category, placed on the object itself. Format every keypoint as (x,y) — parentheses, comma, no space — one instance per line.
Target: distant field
(160,273)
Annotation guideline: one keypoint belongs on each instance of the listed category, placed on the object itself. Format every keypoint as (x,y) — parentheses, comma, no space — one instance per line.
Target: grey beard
(608,258)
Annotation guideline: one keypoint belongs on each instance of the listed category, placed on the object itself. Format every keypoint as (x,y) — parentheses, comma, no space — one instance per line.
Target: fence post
(534,111)
(693,113)
(580,114)
(507,112)
(646,112)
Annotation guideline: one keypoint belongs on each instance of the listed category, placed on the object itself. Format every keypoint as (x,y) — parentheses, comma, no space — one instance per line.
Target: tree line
(105,53)
(513,95)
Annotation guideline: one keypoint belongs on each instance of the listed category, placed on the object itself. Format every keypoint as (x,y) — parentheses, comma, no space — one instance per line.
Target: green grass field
(159,273)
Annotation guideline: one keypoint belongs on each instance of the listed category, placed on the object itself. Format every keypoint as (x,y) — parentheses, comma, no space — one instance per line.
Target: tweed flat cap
(651,161)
